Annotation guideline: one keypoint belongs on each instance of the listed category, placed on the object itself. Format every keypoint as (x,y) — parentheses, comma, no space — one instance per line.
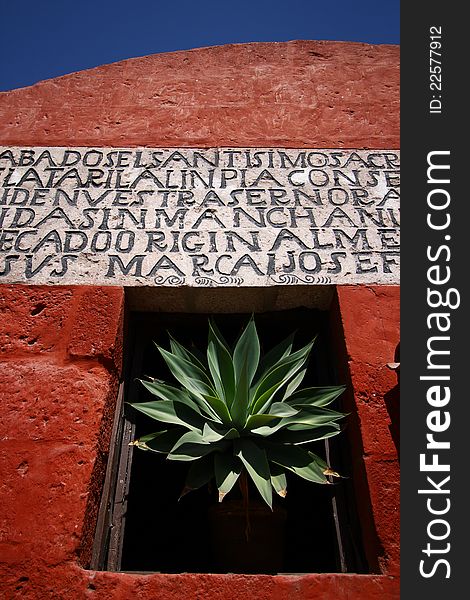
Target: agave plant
(240,412)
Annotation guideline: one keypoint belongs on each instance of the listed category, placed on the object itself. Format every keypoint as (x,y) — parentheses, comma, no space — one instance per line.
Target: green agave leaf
(190,376)
(189,437)
(179,350)
(255,421)
(205,406)
(301,462)
(246,353)
(214,370)
(309,415)
(316,396)
(314,471)
(200,472)
(219,408)
(286,388)
(306,426)
(256,463)
(169,392)
(160,441)
(279,483)
(239,409)
(221,365)
(271,358)
(281,409)
(165,391)
(294,384)
(265,400)
(218,334)
(192,449)
(177,413)
(214,434)
(278,479)
(325,414)
(227,470)
(276,411)
(280,374)
(302,436)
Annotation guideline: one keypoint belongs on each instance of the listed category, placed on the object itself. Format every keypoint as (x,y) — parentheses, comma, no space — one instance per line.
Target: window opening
(150,531)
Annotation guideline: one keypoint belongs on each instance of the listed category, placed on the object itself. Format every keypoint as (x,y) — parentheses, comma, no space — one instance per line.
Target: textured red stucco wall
(367,335)
(61,346)
(296,94)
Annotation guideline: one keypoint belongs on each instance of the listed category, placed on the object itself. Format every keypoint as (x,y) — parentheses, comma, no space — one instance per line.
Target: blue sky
(40,39)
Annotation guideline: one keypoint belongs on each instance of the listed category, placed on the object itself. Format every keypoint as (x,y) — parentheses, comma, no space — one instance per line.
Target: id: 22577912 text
(435,69)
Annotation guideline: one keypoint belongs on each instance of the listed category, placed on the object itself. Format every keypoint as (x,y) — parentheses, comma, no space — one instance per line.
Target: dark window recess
(141,525)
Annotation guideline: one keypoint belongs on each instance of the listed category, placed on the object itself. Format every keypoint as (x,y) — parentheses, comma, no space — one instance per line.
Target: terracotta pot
(247,542)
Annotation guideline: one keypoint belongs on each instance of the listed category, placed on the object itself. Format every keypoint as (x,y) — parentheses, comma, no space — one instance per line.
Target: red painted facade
(61,347)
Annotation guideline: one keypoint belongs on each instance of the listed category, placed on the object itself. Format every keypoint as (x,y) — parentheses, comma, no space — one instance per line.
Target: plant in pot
(241,416)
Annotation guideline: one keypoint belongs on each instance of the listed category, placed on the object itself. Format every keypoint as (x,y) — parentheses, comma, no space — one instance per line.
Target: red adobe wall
(61,346)
(366,322)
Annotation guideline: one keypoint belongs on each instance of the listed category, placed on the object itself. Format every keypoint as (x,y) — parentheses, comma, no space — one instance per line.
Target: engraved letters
(199,217)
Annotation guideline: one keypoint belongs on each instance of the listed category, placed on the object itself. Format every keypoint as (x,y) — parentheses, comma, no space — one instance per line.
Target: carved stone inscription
(208,217)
